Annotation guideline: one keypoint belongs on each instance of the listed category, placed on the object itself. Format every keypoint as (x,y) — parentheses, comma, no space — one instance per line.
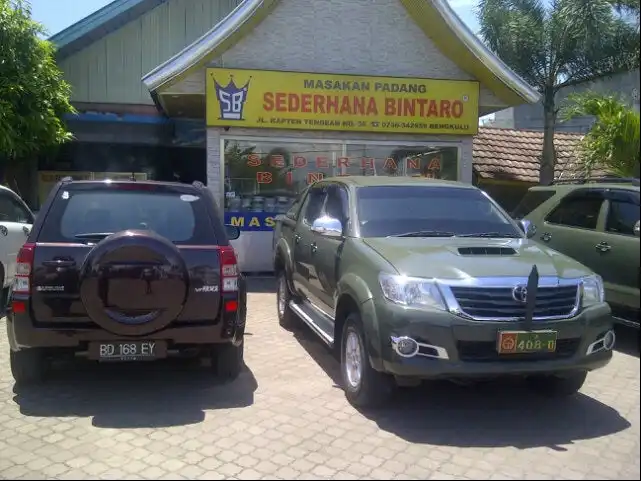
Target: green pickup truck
(411,279)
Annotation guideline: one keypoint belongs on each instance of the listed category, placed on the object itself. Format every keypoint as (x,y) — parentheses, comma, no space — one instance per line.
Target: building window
(263,177)
(430,162)
(267,176)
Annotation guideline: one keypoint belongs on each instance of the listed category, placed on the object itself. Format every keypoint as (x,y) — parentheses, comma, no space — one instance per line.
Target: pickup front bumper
(453,347)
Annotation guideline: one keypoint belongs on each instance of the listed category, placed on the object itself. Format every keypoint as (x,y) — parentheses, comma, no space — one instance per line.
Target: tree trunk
(548,157)
(12,174)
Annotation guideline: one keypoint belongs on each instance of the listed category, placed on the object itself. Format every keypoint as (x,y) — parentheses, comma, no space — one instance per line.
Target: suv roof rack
(598,180)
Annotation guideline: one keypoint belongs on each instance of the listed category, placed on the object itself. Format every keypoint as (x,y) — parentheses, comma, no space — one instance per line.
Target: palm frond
(613,142)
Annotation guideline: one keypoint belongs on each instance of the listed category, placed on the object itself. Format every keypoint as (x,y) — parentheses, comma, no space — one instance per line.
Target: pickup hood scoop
(487,251)
(462,258)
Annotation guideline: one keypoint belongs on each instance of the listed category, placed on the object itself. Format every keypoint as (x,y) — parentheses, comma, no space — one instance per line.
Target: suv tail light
(228,269)
(22,282)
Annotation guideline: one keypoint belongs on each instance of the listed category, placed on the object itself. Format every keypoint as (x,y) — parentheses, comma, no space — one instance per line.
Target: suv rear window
(531,201)
(176,214)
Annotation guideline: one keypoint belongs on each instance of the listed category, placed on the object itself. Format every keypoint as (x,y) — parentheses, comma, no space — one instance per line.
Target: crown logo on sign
(231,98)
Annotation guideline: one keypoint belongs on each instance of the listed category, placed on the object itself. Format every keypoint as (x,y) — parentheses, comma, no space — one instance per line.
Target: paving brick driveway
(285,418)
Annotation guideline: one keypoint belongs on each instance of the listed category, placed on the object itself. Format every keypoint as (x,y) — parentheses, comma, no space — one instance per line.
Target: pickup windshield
(385,211)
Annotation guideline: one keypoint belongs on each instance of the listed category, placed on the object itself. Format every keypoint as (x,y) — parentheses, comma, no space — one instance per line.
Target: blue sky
(56,15)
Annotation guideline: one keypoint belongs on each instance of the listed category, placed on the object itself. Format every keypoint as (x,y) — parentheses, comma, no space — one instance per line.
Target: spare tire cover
(134,282)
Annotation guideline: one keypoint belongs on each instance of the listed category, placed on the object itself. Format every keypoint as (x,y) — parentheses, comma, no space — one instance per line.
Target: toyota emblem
(519,294)
(3,230)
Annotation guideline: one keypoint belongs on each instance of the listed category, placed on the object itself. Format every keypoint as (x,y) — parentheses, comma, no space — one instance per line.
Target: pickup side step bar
(319,323)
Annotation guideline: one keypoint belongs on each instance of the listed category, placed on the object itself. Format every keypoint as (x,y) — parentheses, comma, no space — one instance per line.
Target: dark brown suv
(127,271)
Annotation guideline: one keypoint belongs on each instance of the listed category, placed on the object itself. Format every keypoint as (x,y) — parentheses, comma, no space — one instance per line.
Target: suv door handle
(296,238)
(546,237)
(313,247)
(603,246)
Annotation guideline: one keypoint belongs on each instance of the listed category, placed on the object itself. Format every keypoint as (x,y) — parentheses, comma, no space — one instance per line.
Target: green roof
(100,23)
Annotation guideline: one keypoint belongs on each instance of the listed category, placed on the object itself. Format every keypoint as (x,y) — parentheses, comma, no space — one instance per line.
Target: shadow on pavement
(500,413)
(160,394)
(489,414)
(627,340)
(324,357)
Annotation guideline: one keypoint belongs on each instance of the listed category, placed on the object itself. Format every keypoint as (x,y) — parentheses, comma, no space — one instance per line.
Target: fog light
(609,340)
(405,346)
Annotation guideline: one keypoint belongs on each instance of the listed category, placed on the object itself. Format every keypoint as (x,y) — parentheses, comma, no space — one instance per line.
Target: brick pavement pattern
(285,418)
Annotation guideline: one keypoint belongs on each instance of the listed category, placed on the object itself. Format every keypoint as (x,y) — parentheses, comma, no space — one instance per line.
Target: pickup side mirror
(328,226)
(232,232)
(528,228)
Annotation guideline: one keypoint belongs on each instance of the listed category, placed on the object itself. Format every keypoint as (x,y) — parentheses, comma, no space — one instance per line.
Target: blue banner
(251,221)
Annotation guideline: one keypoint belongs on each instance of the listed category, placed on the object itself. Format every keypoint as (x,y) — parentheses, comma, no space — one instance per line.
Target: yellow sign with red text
(308,101)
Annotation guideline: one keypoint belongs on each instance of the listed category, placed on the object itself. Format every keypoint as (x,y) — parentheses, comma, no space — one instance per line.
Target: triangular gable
(435,18)
(99,24)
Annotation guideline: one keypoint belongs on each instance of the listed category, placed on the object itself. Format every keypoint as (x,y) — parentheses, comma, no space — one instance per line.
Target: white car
(16,220)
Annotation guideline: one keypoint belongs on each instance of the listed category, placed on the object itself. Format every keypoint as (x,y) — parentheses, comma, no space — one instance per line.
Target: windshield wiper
(425,233)
(491,234)
(93,235)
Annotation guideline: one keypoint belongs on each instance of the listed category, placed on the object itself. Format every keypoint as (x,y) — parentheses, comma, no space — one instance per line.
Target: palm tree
(613,142)
(559,43)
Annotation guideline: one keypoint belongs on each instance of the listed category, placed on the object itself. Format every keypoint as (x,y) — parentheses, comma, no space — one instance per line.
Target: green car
(595,222)
(411,279)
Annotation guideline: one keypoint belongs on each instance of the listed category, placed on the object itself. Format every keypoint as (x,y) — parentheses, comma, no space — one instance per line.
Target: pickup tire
(364,386)
(229,360)
(286,318)
(558,386)
(28,366)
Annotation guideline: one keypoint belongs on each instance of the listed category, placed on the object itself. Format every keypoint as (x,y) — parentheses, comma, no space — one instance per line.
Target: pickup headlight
(411,291)
(592,291)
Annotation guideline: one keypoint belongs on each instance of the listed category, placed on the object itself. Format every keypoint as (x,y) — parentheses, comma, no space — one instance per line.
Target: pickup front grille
(498,302)
(470,351)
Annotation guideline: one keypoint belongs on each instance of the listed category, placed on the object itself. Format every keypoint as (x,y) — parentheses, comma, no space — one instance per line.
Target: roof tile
(510,154)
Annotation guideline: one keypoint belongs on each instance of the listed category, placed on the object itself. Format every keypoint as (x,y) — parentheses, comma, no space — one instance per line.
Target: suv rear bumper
(22,333)
(459,348)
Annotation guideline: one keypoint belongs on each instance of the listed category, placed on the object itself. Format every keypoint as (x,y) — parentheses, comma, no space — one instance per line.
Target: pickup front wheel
(286,318)
(364,386)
